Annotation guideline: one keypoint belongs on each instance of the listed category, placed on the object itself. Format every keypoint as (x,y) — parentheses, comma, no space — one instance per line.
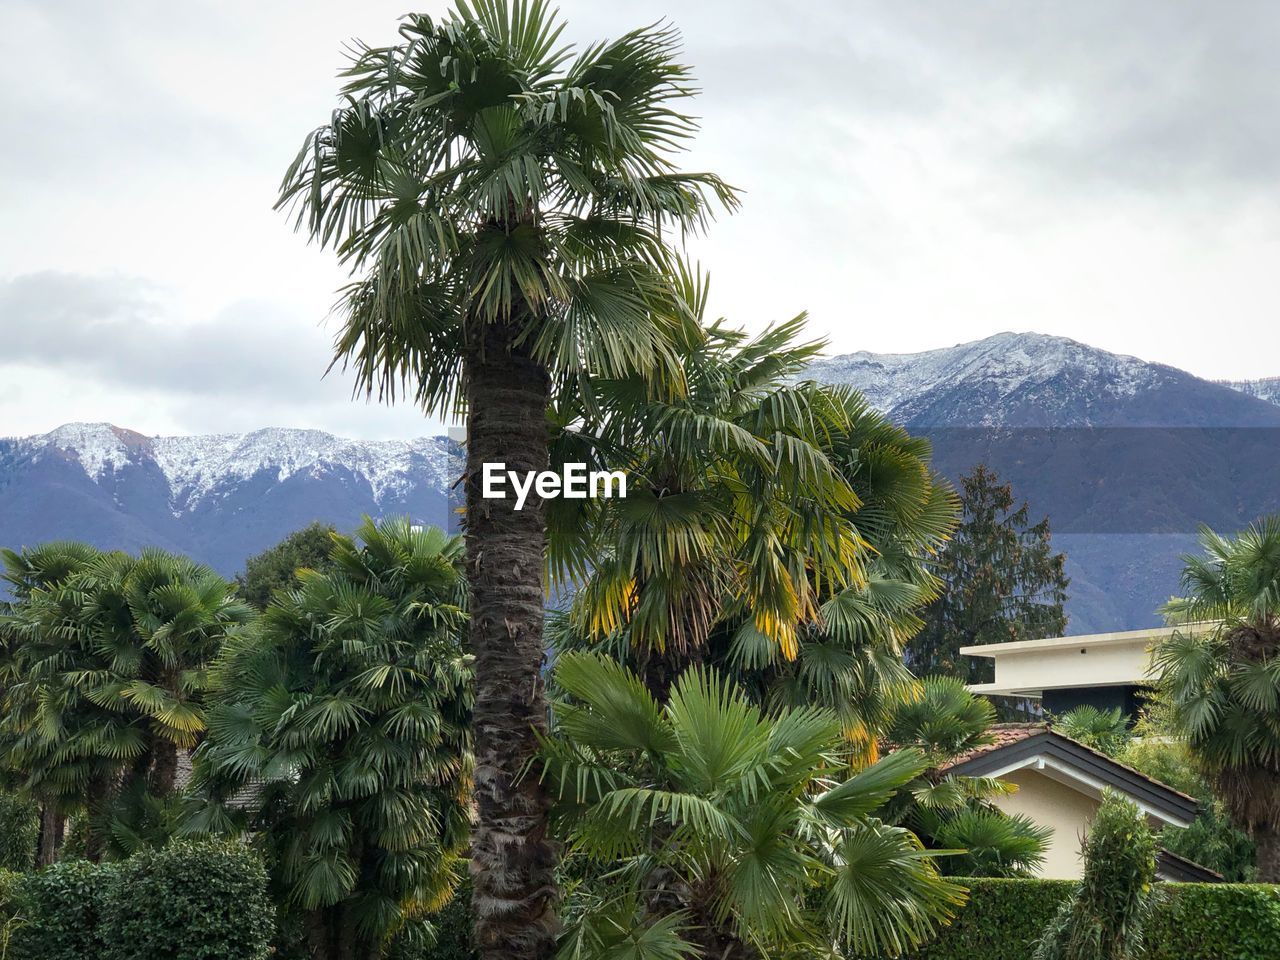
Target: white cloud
(917,174)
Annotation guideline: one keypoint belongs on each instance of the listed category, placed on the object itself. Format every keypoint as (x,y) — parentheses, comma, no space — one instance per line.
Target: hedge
(188,901)
(202,900)
(57,911)
(1222,921)
(1192,921)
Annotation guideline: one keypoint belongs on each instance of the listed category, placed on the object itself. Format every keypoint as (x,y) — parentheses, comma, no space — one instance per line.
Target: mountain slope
(1267,389)
(1035,380)
(219,498)
(1126,458)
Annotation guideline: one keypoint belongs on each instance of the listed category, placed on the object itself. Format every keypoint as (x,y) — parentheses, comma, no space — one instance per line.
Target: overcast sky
(917,174)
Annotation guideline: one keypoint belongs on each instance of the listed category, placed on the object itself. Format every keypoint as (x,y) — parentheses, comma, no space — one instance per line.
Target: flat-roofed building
(1102,669)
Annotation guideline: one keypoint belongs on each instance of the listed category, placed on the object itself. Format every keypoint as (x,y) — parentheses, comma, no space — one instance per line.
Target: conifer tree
(1002,579)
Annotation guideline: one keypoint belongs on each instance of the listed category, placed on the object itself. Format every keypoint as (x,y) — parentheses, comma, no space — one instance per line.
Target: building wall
(1052,804)
(1085,664)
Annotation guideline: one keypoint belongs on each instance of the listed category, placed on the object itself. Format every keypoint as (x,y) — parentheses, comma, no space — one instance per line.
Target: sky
(915,175)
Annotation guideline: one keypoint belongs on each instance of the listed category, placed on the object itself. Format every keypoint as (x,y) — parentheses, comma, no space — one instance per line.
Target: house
(1060,783)
(1103,669)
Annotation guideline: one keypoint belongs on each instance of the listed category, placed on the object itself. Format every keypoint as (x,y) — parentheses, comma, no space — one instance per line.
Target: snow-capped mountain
(1035,380)
(1137,456)
(1125,457)
(197,468)
(1267,389)
(221,497)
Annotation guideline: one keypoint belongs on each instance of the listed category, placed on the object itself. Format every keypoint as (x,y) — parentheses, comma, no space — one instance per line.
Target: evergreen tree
(277,567)
(1002,582)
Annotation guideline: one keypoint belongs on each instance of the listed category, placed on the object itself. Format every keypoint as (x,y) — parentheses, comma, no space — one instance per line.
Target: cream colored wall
(1097,665)
(1055,805)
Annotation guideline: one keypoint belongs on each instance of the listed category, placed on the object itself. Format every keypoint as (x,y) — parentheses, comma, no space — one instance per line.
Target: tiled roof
(1007,734)
(1003,735)
(1171,866)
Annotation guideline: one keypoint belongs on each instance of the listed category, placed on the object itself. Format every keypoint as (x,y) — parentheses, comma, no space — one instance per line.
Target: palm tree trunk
(1267,840)
(97,799)
(52,826)
(164,766)
(662,668)
(319,934)
(512,857)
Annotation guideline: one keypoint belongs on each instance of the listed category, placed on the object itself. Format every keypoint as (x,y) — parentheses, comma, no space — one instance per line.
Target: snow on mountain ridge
(195,467)
(1267,388)
(1007,361)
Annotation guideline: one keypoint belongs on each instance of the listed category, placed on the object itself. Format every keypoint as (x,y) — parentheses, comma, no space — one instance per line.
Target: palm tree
(156,622)
(341,737)
(111,668)
(66,745)
(506,204)
(849,511)
(728,832)
(951,812)
(1221,674)
(32,760)
(734,512)
(851,659)
(1106,731)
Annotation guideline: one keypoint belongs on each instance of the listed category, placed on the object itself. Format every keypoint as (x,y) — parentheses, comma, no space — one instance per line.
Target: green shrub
(1215,921)
(1108,910)
(10,911)
(1212,840)
(1191,921)
(202,900)
(19,832)
(1002,920)
(59,910)
(443,936)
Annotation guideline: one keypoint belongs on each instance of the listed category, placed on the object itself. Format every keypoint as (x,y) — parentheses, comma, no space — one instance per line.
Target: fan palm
(953,812)
(341,737)
(850,659)
(728,832)
(505,204)
(1221,676)
(55,777)
(734,512)
(114,660)
(781,530)
(156,622)
(1104,730)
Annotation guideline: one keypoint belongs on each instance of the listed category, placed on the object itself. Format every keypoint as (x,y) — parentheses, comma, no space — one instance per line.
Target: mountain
(1126,458)
(1034,380)
(1267,389)
(219,498)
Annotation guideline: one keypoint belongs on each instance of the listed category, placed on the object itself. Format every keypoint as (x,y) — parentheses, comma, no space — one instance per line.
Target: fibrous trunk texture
(52,826)
(164,767)
(512,857)
(1268,844)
